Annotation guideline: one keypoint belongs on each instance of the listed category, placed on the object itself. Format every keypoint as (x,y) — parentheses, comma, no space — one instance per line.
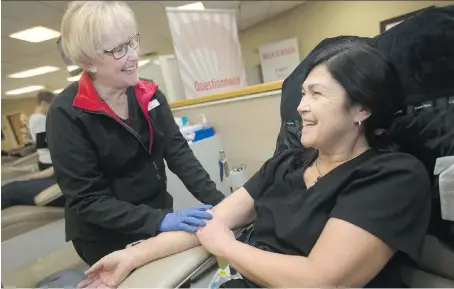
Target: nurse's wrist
(160,228)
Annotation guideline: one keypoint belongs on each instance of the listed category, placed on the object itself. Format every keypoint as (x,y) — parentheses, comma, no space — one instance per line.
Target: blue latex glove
(185,220)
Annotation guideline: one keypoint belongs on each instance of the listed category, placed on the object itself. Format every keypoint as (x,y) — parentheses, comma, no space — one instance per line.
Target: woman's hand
(111,270)
(215,236)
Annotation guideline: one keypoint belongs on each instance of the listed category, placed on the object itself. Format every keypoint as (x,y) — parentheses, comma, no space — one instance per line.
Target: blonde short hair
(86,24)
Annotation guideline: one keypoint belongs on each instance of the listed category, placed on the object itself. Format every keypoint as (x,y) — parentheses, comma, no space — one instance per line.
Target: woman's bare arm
(344,255)
(235,211)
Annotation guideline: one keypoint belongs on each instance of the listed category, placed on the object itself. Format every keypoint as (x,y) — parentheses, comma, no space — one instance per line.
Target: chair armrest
(48,195)
(27,160)
(173,271)
(169,272)
(437,258)
(416,278)
(20,169)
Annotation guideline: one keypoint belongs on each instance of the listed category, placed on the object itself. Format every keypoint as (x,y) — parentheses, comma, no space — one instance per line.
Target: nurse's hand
(111,270)
(215,237)
(186,220)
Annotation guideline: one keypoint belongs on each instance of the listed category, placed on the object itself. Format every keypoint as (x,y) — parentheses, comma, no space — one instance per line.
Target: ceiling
(18,55)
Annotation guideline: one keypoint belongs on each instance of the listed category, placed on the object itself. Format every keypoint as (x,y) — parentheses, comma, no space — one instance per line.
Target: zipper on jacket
(158,175)
(156,130)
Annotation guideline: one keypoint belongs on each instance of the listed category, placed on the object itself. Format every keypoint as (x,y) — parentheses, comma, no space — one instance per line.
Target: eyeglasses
(121,49)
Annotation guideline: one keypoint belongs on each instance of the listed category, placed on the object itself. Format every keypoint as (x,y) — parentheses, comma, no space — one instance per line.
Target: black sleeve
(390,199)
(182,162)
(272,169)
(255,184)
(86,189)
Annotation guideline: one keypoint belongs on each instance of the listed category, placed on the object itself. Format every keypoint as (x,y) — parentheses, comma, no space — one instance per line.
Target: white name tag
(153,104)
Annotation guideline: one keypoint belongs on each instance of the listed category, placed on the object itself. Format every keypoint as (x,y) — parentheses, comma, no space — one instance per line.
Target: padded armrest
(415,278)
(17,214)
(437,258)
(17,220)
(20,169)
(168,272)
(48,195)
(173,271)
(27,160)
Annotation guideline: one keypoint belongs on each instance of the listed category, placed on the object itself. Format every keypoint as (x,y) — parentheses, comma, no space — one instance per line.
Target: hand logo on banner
(207,50)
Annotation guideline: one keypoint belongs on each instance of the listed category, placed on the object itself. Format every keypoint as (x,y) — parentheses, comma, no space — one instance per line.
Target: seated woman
(337,214)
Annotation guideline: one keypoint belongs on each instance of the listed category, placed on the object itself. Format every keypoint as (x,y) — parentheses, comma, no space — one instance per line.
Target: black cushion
(422,50)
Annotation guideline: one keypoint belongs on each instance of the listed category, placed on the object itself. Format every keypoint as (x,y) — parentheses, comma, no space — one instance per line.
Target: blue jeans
(24,192)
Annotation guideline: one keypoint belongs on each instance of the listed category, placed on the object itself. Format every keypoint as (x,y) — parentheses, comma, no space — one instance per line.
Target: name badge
(153,104)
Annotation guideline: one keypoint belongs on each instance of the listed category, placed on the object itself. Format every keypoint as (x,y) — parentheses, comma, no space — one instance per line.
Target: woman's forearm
(285,271)
(235,211)
(163,245)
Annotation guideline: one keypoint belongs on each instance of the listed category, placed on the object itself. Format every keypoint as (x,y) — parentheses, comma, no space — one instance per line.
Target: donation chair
(17,220)
(19,168)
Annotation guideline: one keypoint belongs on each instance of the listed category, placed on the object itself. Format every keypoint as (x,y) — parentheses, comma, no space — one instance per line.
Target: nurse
(109,134)
(340,213)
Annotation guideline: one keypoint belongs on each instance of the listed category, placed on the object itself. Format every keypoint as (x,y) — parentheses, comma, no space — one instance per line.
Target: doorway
(16,125)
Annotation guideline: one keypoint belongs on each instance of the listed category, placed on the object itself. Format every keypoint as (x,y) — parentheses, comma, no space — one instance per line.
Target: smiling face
(329,121)
(122,72)
(91,30)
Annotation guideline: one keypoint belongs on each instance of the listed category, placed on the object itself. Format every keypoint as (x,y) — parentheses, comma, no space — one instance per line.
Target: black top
(113,175)
(387,194)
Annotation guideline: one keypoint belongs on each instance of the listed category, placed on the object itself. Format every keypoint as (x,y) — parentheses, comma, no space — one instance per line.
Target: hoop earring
(359,123)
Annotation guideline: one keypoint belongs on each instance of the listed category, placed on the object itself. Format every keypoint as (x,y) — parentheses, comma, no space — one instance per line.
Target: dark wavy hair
(371,81)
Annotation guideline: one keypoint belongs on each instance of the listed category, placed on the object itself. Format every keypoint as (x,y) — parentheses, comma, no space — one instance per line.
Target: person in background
(23,192)
(37,128)
(109,134)
(340,213)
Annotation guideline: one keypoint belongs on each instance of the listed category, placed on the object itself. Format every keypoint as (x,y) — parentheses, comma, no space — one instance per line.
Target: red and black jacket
(114,185)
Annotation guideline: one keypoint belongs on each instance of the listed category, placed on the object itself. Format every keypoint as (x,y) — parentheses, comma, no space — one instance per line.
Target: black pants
(24,192)
(91,252)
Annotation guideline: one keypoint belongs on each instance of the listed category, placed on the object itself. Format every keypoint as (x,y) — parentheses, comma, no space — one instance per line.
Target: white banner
(279,59)
(207,49)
